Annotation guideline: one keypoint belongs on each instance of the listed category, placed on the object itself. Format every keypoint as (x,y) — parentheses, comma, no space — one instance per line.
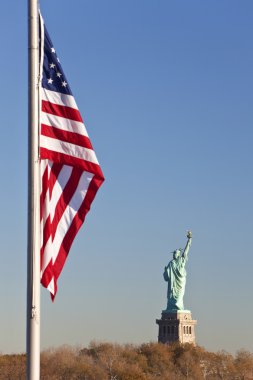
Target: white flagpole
(33,246)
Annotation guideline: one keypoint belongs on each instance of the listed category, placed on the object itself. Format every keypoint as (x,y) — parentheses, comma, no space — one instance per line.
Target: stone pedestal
(176,326)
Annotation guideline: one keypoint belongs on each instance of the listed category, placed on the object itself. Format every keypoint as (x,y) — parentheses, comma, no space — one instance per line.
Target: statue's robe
(175,275)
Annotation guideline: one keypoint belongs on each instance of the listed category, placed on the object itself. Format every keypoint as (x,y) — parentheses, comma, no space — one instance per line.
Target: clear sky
(166,91)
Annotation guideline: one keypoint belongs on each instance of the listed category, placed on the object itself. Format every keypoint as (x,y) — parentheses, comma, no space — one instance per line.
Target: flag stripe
(72,161)
(63,124)
(58,110)
(69,213)
(72,149)
(65,198)
(54,242)
(58,98)
(44,180)
(47,277)
(49,178)
(75,226)
(71,137)
(57,182)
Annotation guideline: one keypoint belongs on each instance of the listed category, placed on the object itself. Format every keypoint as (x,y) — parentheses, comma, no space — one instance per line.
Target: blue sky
(165,89)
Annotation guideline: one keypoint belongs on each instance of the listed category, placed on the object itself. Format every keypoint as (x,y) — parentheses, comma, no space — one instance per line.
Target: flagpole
(33,245)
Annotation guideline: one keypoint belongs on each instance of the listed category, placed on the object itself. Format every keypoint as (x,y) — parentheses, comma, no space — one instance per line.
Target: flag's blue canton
(53,76)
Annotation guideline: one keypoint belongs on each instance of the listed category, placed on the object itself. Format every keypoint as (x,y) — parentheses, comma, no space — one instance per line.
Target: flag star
(58,60)
(50,81)
(52,65)
(64,84)
(52,50)
(59,75)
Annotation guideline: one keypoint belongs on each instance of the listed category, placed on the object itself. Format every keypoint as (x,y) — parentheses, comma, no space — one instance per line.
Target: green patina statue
(175,275)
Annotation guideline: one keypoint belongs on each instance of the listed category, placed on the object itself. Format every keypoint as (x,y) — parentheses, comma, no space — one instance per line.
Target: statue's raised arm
(188,244)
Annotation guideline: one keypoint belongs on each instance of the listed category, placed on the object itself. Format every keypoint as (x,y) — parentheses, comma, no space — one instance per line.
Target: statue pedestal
(176,326)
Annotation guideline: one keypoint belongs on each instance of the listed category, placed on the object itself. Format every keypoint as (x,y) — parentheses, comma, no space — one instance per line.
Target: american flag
(70,172)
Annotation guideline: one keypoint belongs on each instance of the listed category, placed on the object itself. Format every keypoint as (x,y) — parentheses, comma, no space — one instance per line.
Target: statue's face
(176,254)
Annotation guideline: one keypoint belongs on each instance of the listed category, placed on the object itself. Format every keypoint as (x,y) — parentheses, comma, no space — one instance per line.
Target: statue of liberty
(175,275)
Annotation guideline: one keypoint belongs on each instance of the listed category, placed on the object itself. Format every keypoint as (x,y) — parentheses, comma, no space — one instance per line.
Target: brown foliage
(244,364)
(12,367)
(149,361)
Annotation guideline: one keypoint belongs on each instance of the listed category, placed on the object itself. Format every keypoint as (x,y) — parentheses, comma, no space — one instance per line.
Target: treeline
(151,361)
